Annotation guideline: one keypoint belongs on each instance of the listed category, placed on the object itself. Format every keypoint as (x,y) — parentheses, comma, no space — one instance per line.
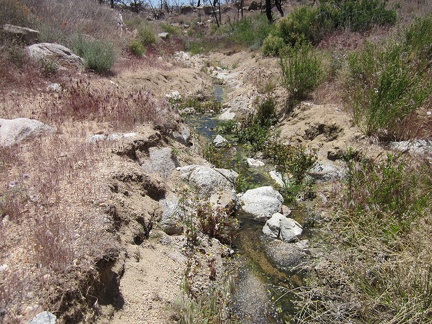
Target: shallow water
(263,293)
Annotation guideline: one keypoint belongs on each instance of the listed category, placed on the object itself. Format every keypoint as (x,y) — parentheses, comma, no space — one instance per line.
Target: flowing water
(264,292)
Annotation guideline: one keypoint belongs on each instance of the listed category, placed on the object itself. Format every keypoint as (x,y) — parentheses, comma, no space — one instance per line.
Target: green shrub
(273,45)
(359,15)
(312,24)
(266,113)
(301,70)
(305,23)
(146,36)
(98,55)
(137,48)
(250,32)
(387,84)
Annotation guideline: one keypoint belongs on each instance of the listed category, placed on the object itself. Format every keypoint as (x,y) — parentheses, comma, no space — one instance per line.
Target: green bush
(358,15)
(146,36)
(273,45)
(305,24)
(312,24)
(301,70)
(387,84)
(137,48)
(98,55)
(250,32)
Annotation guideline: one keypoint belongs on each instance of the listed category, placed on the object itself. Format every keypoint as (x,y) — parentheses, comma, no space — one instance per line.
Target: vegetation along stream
(263,292)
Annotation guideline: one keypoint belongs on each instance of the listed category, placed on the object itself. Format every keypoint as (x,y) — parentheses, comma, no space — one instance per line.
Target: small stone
(252,163)
(220,141)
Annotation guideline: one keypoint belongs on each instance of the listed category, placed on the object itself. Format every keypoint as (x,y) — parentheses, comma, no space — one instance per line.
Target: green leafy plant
(301,70)
(146,36)
(98,55)
(387,84)
(137,48)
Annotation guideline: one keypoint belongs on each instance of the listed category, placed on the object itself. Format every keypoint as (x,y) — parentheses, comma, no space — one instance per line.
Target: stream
(264,290)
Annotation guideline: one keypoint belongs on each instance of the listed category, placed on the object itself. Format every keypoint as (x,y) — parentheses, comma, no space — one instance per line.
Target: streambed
(263,289)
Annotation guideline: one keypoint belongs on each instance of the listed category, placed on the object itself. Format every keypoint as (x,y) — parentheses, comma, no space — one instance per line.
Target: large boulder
(56,52)
(13,131)
(283,228)
(286,256)
(22,34)
(261,203)
(207,180)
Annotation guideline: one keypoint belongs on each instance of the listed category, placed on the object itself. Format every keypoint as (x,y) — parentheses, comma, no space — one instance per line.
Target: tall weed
(98,55)
(301,70)
(386,84)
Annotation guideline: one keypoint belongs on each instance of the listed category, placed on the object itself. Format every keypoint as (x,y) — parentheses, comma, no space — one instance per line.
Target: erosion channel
(269,269)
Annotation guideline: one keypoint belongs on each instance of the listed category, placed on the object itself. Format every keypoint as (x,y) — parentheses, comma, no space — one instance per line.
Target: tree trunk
(279,7)
(269,11)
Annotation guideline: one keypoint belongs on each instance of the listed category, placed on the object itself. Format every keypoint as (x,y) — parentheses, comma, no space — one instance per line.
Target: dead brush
(60,234)
(123,111)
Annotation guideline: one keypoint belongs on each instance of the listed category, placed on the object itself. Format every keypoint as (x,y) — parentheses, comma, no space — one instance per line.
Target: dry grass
(52,224)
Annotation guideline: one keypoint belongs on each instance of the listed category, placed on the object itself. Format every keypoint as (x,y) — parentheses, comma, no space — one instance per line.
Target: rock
(182,134)
(172,215)
(54,87)
(226,200)
(13,131)
(422,147)
(23,34)
(207,180)
(44,318)
(220,141)
(277,177)
(261,203)
(286,255)
(321,172)
(227,115)
(175,95)
(111,137)
(252,163)
(283,228)
(163,36)
(161,161)
(59,53)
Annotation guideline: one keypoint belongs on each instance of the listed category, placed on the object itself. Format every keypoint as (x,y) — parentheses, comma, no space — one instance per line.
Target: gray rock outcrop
(13,131)
(56,52)
(282,228)
(261,203)
(161,160)
(323,172)
(22,34)
(44,318)
(208,181)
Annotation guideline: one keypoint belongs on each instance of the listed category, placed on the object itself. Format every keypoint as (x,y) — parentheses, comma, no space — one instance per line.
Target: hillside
(118,203)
